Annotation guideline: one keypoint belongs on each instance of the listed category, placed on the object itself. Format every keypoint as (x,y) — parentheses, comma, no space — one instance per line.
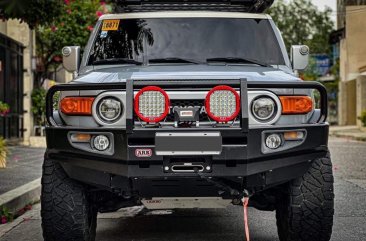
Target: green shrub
(362,118)
(39,106)
(4,108)
(5,215)
(56,100)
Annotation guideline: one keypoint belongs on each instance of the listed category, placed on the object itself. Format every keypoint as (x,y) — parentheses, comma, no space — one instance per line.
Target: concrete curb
(18,198)
(8,227)
(348,136)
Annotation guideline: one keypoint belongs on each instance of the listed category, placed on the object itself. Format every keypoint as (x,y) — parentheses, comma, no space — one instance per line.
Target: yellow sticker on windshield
(110,25)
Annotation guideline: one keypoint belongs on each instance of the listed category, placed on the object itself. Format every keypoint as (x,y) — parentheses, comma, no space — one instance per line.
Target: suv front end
(158,116)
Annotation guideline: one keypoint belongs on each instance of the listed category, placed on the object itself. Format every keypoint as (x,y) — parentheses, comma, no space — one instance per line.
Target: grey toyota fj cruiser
(187,104)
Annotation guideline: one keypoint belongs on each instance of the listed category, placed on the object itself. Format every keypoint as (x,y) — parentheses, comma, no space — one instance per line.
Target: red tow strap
(245,201)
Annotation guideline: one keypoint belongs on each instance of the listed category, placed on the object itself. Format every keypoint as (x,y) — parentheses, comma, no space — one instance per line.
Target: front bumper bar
(241,162)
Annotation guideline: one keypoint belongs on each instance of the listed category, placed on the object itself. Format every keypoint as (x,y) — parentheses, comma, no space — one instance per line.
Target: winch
(186,116)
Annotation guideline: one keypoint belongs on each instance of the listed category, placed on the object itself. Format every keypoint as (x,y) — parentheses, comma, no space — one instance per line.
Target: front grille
(187,103)
(184,103)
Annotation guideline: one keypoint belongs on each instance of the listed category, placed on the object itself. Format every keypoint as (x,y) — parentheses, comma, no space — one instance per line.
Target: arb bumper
(178,162)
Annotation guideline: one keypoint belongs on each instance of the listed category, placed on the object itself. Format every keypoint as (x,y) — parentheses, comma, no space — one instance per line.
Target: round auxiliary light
(222,103)
(263,108)
(152,104)
(273,141)
(101,142)
(109,109)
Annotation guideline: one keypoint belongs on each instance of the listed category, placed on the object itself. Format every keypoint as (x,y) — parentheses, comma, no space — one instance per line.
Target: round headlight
(263,108)
(109,109)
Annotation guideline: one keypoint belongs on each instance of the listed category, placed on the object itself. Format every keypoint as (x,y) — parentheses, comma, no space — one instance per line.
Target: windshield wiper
(173,61)
(236,60)
(116,61)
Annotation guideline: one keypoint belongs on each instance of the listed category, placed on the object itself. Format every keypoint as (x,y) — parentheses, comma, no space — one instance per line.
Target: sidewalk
(20,181)
(351,132)
(24,164)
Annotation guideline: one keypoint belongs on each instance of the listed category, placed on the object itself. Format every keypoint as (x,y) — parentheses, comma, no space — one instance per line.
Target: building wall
(352,61)
(341,10)
(21,33)
(355,40)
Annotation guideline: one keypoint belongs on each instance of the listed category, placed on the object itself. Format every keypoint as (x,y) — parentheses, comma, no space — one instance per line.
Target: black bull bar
(132,85)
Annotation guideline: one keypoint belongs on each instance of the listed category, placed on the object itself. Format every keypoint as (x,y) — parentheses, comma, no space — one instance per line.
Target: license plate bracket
(188,143)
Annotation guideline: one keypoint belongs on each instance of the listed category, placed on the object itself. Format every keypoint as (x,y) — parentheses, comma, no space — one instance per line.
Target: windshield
(186,41)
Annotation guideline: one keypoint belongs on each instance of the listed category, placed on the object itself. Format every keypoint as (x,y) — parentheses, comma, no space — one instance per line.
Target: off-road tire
(305,208)
(67,211)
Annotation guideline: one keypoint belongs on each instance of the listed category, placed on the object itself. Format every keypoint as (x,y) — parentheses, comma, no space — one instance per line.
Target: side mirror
(71,58)
(299,57)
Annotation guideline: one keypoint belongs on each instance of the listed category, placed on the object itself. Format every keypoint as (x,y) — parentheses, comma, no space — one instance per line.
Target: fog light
(273,141)
(101,143)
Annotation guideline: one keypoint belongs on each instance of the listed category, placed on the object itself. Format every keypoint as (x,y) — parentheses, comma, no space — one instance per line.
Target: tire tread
(65,208)
(306,207)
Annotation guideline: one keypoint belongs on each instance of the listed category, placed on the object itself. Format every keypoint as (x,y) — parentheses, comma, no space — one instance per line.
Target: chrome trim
(119,95)
(273,112)
(113,120)
(252,95)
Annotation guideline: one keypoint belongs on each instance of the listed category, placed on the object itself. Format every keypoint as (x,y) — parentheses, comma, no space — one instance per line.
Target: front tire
(305,208)
(67,211)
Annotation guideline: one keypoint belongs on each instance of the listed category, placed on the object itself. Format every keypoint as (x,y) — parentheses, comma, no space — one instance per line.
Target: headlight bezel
(272,114)
(99,111)
(118,95)
(255,94)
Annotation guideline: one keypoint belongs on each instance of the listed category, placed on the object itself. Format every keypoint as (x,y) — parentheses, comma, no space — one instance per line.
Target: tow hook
(245,201)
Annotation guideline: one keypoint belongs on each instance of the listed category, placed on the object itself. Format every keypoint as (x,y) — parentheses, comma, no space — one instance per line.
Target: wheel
(67,211)
(305,208)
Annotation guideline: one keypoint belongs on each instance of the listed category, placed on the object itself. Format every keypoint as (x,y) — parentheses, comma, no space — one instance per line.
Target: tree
(32,12)
(301,22)
(71,28)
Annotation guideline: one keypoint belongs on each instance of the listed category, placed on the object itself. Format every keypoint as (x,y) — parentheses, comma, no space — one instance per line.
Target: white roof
(184,14)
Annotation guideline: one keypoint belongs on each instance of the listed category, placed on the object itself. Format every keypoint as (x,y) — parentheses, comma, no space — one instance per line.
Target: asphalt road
(349,160)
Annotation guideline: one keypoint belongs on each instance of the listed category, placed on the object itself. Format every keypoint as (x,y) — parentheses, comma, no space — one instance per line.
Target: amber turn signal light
(296,104)
(80,137)
(77,105)
(293,135)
